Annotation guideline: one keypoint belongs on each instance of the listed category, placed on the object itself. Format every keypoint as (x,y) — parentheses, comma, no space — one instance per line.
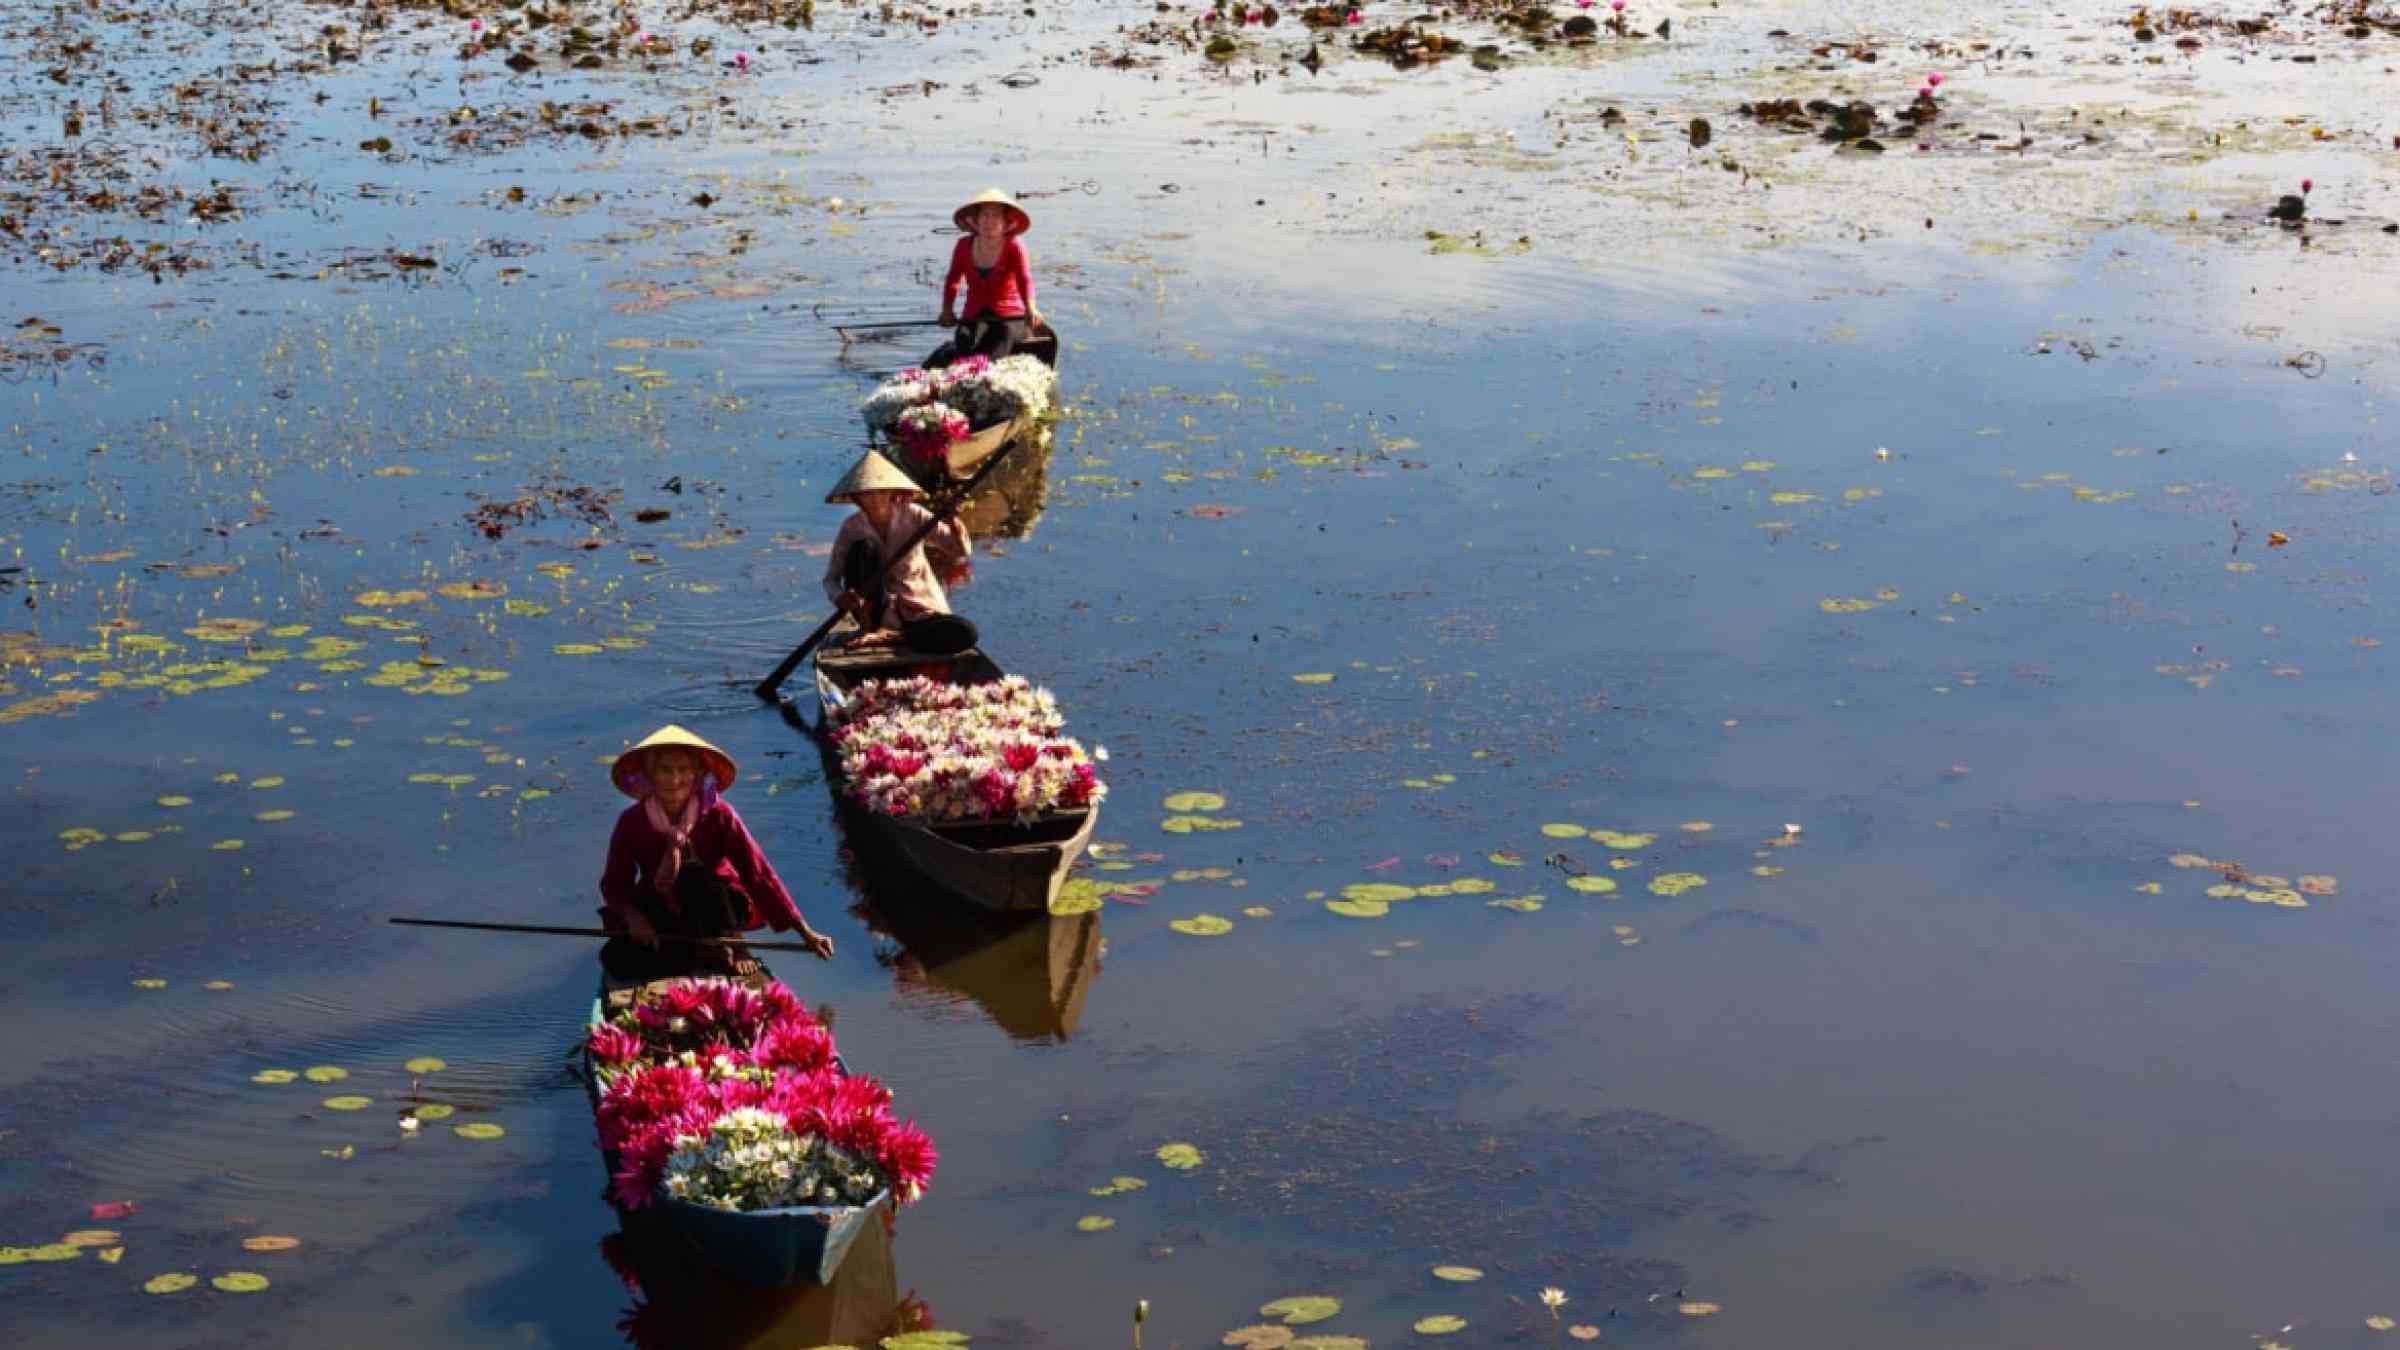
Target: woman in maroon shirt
(991,265)
(682,864)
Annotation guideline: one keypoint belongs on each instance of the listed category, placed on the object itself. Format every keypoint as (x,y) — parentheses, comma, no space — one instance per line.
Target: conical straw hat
(635,762)
(1018,223)
(872,473)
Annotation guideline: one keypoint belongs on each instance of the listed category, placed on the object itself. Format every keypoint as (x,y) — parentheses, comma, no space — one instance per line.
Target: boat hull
(769,1248)
(1013,867)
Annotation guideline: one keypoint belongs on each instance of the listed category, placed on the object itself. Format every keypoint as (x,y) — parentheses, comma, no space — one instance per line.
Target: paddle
(766,689)
(602,933)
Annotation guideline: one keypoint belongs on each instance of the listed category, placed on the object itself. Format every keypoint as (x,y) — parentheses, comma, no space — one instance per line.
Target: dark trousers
(705,906)
(990,335)
(939,634)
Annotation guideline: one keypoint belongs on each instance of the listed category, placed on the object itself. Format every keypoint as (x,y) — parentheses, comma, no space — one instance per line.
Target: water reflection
(1029,972)
(680,1304)
(1010,503)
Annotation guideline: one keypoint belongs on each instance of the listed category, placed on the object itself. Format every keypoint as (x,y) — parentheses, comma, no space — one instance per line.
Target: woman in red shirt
(682,864)
(991,266)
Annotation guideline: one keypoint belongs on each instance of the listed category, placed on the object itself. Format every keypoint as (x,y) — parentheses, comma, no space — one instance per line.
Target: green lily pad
(150,982)
(1359,909)
(1314,677)
(1329,1343)
(425,1064)
(1079,895)
(478,1129)
(1202,925)
(1187,824)
(1522,904)
(1181,1157)
(1501,857)
(1094,1223)
(325,1073)
(1119,1186)
(240,1282)
(1301,1309)
(1473,886)
(1194,801)
(1591,885)
(169,1284)
(1440,1325)
(348,1103)
(1614,839)
(1676,883)
(1564,830)
(1381,892)
(1457,1274)
(434,1111)
(274,1076)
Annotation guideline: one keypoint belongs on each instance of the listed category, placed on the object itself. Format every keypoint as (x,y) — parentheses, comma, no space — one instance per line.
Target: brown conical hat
(636,760)
(872,473)
(1018,222)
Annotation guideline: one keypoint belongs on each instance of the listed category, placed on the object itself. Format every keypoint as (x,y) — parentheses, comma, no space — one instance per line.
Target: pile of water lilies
(925,412)
(926,749)
(710,1093)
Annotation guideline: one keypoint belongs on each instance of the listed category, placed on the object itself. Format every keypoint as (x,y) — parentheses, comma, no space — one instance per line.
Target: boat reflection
(1029,972)
(679,1305)
(1010,503)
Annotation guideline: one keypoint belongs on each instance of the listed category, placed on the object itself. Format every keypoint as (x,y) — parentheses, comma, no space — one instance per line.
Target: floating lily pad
(1441,1324)
(1194,801)
(433,1111)
(240,1282)
(1314,677)
(169,1284)
(1457,1274)
(218,986)
(150,982)
(1187,824)
(479,1129)
(1676,883)
(1119,1186)
(269,1243)
(1094,1223)
(1848,604)
(92,1237)
(1501,857)
(1257,912)
(348,1103)
(1301,1309)
(1473,886)
(1522,904)
(271,817)
(325,1073)
(1265,1336)
(1330,1343)
(172,801)
(425,1064)
(1359,909)
(1202,925)
(274,1076)
(386,599)
(1698,1309)
(1591,885)
(1617,840)
(1382,892)
(1079,895)
(1563,830)
(1181,1157)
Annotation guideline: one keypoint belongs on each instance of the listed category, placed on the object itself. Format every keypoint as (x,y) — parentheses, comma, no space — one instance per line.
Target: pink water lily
(1357,18)
(2307,185)
(474,25)
(1617,5)
(1935,79)
(741,60)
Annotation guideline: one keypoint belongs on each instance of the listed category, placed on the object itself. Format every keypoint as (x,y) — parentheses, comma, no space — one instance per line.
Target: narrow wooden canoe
(1043,346)
(1004,865)
(769,1248)
(685,1305)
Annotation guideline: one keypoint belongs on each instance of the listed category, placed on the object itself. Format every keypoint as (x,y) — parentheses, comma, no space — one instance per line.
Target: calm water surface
(1903,602)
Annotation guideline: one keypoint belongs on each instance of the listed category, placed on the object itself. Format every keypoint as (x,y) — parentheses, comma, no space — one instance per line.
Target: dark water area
(1808,685)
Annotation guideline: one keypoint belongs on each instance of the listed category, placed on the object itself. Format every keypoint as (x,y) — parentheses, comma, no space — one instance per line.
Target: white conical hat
(1018,220)
(872,473)
(636,759)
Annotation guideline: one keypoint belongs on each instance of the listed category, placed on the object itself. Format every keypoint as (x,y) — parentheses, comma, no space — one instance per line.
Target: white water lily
(1554,1298)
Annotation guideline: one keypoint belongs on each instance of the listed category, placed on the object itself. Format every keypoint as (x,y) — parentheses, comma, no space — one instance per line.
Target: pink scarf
(679,838)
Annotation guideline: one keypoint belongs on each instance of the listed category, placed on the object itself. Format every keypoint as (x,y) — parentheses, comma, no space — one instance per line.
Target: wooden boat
(684,1304)
(1004,865)
(1030,973)
(981,443)
(769,1248)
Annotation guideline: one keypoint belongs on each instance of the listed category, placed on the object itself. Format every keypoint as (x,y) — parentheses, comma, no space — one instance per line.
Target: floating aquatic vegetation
(1440,1324)
(1301,1309)
(1202,925)
(1180,1157)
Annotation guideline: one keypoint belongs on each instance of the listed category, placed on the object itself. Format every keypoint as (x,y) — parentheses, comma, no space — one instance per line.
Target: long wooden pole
(767,688)
(600,933)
